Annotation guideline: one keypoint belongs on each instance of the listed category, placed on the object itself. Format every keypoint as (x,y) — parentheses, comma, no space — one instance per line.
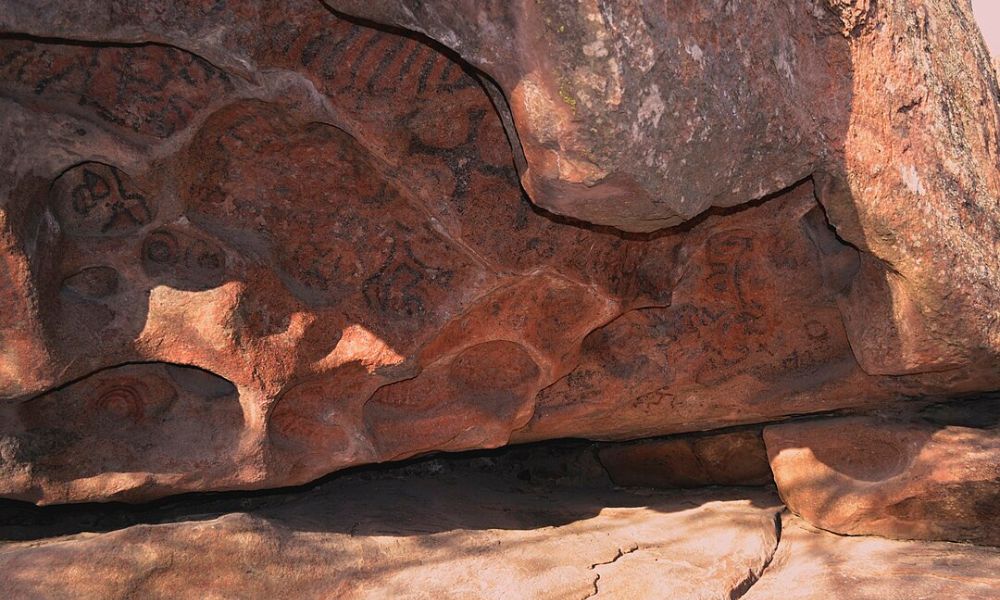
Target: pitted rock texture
(905,480)
(326,220)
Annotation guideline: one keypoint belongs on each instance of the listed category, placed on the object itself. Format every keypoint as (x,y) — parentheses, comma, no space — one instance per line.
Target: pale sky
(988,15)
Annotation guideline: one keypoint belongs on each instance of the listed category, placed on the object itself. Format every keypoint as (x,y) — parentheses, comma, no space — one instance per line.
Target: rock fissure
(753,576)
(597,576)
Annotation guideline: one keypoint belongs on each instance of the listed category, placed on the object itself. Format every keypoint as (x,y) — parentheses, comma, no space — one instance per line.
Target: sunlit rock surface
(441,530)
(812,565)
(529,522)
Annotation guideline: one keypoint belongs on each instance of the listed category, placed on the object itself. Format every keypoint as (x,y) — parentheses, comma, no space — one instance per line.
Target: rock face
(815,565)
(244,245)
(917,189)
(454,534)
(872,476)
(642,114)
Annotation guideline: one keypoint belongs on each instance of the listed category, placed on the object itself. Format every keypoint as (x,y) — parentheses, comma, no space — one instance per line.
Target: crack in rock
(597,576)
(744,586)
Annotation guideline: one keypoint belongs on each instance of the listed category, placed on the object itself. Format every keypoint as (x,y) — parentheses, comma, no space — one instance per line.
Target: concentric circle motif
(122,402)
(161,248)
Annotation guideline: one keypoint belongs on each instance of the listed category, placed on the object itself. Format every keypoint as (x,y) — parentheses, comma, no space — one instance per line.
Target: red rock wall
(326,220)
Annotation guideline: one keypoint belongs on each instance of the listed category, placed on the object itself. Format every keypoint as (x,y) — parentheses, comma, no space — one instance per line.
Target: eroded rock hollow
(247,244)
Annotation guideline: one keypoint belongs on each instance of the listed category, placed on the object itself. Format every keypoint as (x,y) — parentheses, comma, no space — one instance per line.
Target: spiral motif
(121,401)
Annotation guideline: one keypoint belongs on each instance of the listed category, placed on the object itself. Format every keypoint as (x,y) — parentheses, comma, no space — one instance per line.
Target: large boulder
(905,480)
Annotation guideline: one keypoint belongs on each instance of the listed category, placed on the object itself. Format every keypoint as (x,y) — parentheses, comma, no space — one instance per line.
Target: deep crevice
(744,586)
(25,521)
(21,520)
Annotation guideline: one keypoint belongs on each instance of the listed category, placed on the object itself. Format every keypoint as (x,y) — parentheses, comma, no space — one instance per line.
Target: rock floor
(477,527)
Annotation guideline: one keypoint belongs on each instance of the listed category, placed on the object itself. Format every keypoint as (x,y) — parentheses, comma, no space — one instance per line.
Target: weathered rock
(456,534)
(815,565)
(326,218)
(157,424)
(641,115)
(737,458)
(916,190)
(895,479)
